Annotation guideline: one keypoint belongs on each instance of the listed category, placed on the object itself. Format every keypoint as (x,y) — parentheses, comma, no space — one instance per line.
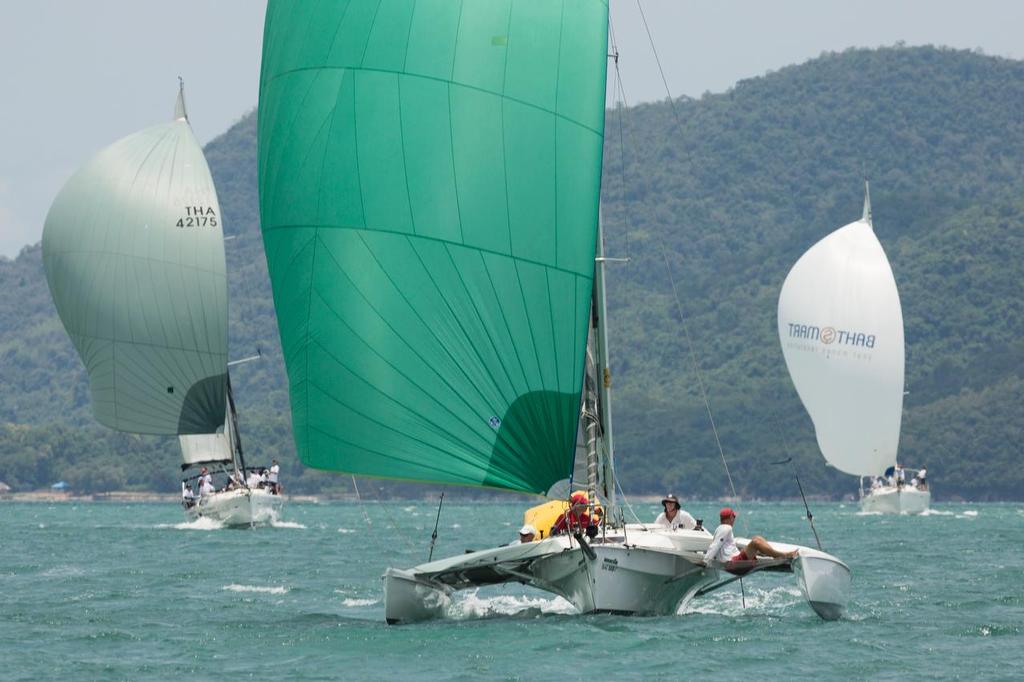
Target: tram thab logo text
(830,335)
(198,216)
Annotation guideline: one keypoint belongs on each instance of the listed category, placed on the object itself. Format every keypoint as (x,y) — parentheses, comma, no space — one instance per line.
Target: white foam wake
(202,523)
(350,602)
(286,524)
(256,588)
(936,512)
(758,601)
(471,605)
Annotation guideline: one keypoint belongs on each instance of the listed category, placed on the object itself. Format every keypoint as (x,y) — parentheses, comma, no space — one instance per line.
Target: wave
(286,524)
(346,531)
(869,513)
(202,523)
(256,588)
(63,571)
(471,605)
(350,602)
(730,603)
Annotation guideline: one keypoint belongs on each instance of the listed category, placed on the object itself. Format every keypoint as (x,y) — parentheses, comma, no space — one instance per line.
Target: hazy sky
(77,75)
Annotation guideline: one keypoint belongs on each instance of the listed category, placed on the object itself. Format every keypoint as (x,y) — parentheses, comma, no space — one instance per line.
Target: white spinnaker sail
(841,329)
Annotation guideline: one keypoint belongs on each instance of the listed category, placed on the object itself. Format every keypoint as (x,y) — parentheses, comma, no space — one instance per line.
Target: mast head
(866,216)
(180,114)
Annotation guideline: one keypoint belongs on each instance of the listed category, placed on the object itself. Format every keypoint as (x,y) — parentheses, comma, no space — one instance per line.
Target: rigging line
(696,367)
(433,536)
(362,506)
(657,60)
(675,292)
(392,524)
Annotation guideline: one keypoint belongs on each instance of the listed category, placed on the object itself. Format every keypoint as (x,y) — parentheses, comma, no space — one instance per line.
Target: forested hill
(731,188)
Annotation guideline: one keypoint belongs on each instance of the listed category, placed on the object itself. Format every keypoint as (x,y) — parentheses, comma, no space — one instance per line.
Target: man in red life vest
(576,517)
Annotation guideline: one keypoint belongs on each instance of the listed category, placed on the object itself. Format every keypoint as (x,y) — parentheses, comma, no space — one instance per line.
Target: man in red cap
(723,549)
(575,517)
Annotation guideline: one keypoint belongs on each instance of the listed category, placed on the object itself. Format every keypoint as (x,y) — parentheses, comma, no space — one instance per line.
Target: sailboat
(429,189)
(133,252)
(841,330)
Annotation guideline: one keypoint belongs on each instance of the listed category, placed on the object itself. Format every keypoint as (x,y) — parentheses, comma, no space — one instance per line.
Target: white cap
(527,530)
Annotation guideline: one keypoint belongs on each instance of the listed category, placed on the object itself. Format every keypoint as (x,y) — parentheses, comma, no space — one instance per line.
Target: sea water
(98,591)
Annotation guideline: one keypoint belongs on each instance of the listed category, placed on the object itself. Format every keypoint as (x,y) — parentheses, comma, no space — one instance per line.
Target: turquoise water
(128,591)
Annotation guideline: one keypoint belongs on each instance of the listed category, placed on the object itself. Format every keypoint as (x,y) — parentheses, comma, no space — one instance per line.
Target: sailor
(264,478)
(188,498)
(275,471)
(206,485)
(253,480)
(527,534)
(205,478)
(673,516)
(876,482)
(922,479)
(901,477)
(723,549)
(575,517)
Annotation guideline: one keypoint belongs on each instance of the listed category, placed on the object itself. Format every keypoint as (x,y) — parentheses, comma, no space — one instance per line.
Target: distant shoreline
(49,496)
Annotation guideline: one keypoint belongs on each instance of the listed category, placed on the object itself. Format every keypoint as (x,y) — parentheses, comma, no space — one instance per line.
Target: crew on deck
(576,518)
(205,480)
(275,472)
(723,549)
(527,534)
(188,498)
(673,515)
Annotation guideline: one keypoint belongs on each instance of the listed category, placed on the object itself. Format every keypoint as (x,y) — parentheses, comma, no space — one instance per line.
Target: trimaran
(429,179)
(133,249)
(841,330)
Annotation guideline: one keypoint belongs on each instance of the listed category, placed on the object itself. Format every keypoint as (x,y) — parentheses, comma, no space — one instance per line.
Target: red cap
(726,513)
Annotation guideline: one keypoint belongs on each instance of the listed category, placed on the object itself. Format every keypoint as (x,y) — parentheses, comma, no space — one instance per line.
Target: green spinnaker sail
(429,178)
(134,255)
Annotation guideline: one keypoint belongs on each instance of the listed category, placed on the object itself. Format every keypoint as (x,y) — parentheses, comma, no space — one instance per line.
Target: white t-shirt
(206,487)
(205,479)
(274,470)
(254,479)
(900,476)
(922,474)
(681,520)
(723,546)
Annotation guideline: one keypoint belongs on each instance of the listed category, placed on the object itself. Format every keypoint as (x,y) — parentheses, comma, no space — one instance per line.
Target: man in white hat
(673,516)
(526,534)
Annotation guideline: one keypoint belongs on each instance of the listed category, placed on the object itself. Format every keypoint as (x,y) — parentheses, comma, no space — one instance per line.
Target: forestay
(429,179)
(841,329)
(134,256)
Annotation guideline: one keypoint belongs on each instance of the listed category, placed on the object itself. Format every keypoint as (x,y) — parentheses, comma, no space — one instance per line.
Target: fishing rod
(433,536)
(810,516)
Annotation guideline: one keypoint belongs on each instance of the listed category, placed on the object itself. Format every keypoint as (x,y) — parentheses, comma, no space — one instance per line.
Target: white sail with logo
(841,329)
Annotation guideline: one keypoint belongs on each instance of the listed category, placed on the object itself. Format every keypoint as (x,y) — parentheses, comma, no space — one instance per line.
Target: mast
(180,113)
(234,439)
(866,215)
(604,384)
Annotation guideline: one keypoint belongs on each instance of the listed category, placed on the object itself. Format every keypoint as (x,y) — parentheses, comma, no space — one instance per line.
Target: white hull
(645,571)
(906,500)
(240,507)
